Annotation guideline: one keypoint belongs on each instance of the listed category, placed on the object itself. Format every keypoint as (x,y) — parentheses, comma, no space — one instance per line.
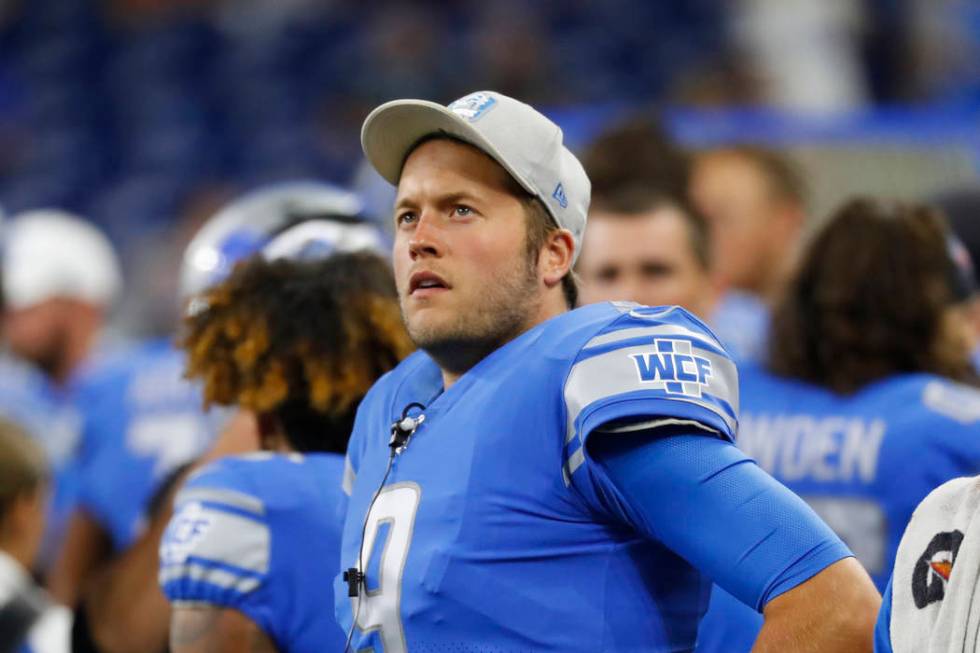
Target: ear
(556,257)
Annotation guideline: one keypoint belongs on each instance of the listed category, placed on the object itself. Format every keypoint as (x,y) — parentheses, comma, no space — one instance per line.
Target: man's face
(735,199)
(464,280)
(644,258)
(37,333)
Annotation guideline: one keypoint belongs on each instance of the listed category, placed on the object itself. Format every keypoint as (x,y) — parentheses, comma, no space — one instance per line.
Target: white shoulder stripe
(217,536)
(653,332)
(616,372)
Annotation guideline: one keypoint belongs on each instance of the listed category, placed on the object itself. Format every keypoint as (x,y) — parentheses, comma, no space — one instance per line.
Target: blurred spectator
(753,200)
(60,278)
(805,55)
(29,621)
(636,155)
(869,399)
(643,247)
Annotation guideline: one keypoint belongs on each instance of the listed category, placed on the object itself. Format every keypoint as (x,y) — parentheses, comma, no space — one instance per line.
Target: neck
(456,366)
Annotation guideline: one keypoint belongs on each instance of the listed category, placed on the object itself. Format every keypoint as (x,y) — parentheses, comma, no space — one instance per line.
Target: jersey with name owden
(862,461)
(142,420)
(491,533)
(260,534)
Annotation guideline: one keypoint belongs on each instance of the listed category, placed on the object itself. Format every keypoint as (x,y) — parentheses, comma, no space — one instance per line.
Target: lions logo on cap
(473,107)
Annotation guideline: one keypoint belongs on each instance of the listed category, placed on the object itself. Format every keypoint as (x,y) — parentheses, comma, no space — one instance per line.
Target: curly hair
(300,340)
(870,300)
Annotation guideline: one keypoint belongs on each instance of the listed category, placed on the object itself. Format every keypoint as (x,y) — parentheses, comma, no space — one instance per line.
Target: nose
(426,239)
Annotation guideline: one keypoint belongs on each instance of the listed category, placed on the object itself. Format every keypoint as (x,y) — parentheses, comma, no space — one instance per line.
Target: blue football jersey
(46,413)
(141,421)
(741,321)
(863,462)
(491,532)
(261,534)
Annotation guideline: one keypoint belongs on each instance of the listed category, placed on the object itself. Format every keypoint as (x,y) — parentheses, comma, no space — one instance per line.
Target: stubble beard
(505,310)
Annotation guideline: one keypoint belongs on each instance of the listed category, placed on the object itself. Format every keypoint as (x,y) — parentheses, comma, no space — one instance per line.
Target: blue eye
(462,211)
(404,218)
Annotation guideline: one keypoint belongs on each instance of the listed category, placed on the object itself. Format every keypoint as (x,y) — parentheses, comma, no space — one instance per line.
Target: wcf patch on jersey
(186,529)
(673,367)
(473,107)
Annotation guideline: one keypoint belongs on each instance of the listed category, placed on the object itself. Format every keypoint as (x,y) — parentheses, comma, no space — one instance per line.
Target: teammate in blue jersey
(144,423)
(545,480)
(249,557)
(60,278)
(868,400)
(29,398)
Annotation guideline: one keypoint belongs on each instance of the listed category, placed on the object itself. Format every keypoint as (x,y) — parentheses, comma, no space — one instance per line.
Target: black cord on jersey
(394,444)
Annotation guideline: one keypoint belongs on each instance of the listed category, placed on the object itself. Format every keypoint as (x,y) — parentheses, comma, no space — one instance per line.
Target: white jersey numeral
(380,608)
(171,439)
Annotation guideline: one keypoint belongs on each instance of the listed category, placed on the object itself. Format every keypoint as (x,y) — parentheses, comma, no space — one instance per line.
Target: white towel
(935,588)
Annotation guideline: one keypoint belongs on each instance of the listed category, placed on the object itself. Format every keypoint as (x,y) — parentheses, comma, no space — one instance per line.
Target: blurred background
(146,115)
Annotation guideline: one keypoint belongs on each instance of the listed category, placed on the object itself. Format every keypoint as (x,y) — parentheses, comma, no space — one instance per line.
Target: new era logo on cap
(559,195)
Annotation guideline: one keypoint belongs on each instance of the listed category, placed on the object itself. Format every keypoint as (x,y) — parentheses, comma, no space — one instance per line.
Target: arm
(833,611)
(126,610)
(86,546)
(754,537)
(216,630)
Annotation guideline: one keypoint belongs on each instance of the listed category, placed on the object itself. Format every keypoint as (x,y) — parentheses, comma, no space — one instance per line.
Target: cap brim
(391,130)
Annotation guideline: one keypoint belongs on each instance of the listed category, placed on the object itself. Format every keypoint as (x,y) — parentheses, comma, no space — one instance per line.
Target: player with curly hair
(868,399)
(249,557)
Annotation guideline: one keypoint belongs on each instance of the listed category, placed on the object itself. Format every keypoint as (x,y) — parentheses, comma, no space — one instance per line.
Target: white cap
(526,143)
(50,253)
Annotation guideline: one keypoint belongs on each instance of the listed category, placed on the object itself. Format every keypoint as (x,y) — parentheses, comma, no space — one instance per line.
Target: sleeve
(883,637)
(216,550)
(708,502)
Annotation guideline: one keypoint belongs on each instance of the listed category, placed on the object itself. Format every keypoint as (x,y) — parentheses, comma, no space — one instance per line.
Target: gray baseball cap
(527,144)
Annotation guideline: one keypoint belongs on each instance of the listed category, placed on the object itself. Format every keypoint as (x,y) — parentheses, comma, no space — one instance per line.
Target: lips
(424,282)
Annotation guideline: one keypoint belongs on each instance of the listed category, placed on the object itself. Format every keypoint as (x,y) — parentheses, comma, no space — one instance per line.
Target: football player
(647,248)
(546,480)
(144,423)
(61,277)
(868,400)
(249,556)
(754,201)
